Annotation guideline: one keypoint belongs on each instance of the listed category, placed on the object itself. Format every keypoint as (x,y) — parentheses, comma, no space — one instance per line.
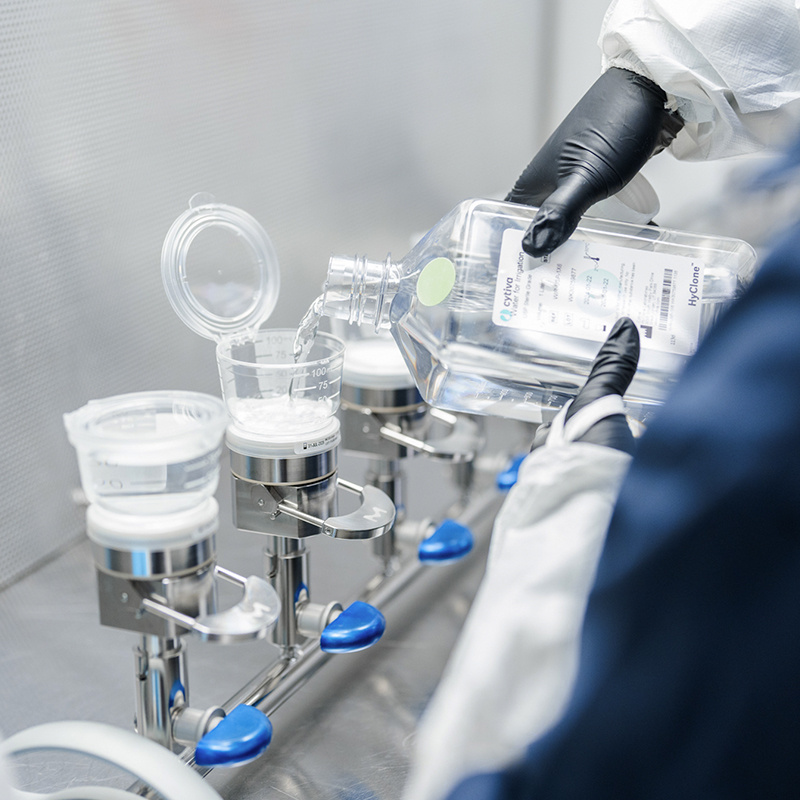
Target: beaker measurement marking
(272,355)
(327,384)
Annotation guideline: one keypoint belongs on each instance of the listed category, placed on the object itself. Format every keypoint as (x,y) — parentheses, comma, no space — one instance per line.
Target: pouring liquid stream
(306,334)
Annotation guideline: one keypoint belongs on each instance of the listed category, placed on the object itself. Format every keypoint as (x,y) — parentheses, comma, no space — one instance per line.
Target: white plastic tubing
(156,766)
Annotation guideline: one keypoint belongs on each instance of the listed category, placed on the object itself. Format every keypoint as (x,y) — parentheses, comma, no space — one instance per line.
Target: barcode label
(666,294)
(584,287)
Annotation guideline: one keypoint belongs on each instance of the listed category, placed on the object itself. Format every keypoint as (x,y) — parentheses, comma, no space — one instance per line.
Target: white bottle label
(582,288)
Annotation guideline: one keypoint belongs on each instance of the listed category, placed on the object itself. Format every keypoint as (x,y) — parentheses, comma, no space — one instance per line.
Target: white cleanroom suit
(730,68)
(512,669)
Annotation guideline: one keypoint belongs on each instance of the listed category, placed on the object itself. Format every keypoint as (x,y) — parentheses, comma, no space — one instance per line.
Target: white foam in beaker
(280,415)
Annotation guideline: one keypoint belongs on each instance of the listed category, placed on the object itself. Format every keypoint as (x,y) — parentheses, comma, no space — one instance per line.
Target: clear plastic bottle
(487,329)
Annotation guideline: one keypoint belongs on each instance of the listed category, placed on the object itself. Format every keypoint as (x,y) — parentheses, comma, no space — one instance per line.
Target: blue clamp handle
(508,477)
(241,736)
(359,626)
(449,542)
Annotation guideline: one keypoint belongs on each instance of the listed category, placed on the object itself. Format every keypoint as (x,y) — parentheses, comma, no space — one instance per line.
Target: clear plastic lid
(220,270)
(142,428)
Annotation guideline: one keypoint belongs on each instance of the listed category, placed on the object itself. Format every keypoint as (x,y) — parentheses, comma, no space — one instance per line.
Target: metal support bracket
(250,618)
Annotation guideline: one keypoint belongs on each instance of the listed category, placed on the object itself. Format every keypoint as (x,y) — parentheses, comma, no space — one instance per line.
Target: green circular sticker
(436,281)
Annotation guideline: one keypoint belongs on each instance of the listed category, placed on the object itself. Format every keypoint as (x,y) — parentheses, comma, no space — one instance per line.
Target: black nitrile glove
(603,142)
(612,371)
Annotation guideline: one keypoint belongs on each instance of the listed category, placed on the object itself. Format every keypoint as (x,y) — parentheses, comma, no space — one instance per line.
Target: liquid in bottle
(484,328)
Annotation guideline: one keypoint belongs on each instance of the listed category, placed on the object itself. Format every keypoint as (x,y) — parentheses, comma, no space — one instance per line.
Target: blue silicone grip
(241,736)
(508,477)
(359,626)
(449,542)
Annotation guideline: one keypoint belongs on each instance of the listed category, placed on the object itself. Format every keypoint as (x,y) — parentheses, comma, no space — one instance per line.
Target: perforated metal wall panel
(341,125)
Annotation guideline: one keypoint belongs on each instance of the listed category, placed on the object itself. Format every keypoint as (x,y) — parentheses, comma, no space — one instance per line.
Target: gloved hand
(603,142)
(612,371)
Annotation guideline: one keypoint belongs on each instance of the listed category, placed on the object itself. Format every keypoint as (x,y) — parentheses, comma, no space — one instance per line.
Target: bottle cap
(637,202)
(220,270)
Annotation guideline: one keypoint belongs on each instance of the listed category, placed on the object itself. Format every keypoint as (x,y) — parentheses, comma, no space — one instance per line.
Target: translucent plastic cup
(149,452)
(268,393)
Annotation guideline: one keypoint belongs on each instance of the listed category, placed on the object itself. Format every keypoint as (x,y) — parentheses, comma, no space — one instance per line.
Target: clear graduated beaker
(148,452)
(267,392)
(221,275)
